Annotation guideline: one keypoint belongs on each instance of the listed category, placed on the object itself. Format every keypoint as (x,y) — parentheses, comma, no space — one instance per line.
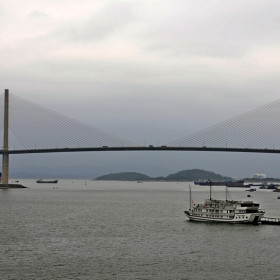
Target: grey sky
(144,70)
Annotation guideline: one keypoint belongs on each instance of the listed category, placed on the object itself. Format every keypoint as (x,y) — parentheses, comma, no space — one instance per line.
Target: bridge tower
(5,159)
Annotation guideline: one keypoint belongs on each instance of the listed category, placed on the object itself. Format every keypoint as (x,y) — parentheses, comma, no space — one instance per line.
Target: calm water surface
(125,230)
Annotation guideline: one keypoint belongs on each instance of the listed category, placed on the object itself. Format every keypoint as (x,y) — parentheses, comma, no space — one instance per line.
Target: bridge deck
(150,148)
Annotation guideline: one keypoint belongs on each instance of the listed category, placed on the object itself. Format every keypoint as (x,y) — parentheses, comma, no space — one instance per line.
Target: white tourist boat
(226,211)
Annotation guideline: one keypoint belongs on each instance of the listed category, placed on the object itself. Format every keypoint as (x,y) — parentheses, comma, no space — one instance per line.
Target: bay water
(127,230)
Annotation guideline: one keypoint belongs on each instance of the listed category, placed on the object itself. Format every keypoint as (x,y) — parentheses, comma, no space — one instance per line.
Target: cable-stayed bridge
(40,130)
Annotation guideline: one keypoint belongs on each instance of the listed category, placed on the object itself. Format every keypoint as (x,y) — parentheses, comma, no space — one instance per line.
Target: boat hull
(46,182)
(237,219)
(235,184)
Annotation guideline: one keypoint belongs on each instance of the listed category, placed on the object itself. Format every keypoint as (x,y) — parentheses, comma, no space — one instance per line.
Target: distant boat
(46,182)
(236,184)
(272,186)
(277,190)
(251,190)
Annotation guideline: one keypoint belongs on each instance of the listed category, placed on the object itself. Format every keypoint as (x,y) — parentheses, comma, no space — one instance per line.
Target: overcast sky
(144,70)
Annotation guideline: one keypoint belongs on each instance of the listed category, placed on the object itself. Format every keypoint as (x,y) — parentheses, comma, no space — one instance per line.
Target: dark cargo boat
(46,181)
(236,184)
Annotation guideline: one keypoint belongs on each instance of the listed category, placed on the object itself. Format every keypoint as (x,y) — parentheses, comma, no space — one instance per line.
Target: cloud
(144,70)
(215,28)
(38,16)
(197,52)
(101,24)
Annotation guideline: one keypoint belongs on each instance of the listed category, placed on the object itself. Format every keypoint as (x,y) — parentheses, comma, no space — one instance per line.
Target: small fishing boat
(278,189)
(272,186)
(251,190)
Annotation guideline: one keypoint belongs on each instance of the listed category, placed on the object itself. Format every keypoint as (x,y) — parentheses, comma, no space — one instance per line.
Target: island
(183,175)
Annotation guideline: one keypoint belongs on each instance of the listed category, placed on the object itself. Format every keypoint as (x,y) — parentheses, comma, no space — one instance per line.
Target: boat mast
(210,188)
(190,196)
(226,191)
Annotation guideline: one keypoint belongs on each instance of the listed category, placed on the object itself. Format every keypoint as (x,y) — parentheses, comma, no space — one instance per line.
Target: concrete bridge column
(5,159)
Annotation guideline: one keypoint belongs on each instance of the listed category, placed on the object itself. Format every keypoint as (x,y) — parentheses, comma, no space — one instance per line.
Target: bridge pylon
(5,159)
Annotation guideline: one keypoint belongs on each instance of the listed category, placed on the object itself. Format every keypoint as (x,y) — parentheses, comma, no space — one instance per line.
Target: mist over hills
(153,164)
(184,175)
(81,171)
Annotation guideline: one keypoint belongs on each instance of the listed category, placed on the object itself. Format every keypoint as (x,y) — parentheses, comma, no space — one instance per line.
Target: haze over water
(125,230)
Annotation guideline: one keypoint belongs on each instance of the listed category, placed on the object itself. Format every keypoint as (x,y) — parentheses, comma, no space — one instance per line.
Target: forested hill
(184,175)
(195,174)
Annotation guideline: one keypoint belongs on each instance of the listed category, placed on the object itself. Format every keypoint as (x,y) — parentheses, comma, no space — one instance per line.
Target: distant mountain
(125,176)
(184,175)
(195,174)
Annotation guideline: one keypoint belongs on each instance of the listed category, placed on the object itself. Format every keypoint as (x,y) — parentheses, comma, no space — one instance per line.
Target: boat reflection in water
(226,211)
